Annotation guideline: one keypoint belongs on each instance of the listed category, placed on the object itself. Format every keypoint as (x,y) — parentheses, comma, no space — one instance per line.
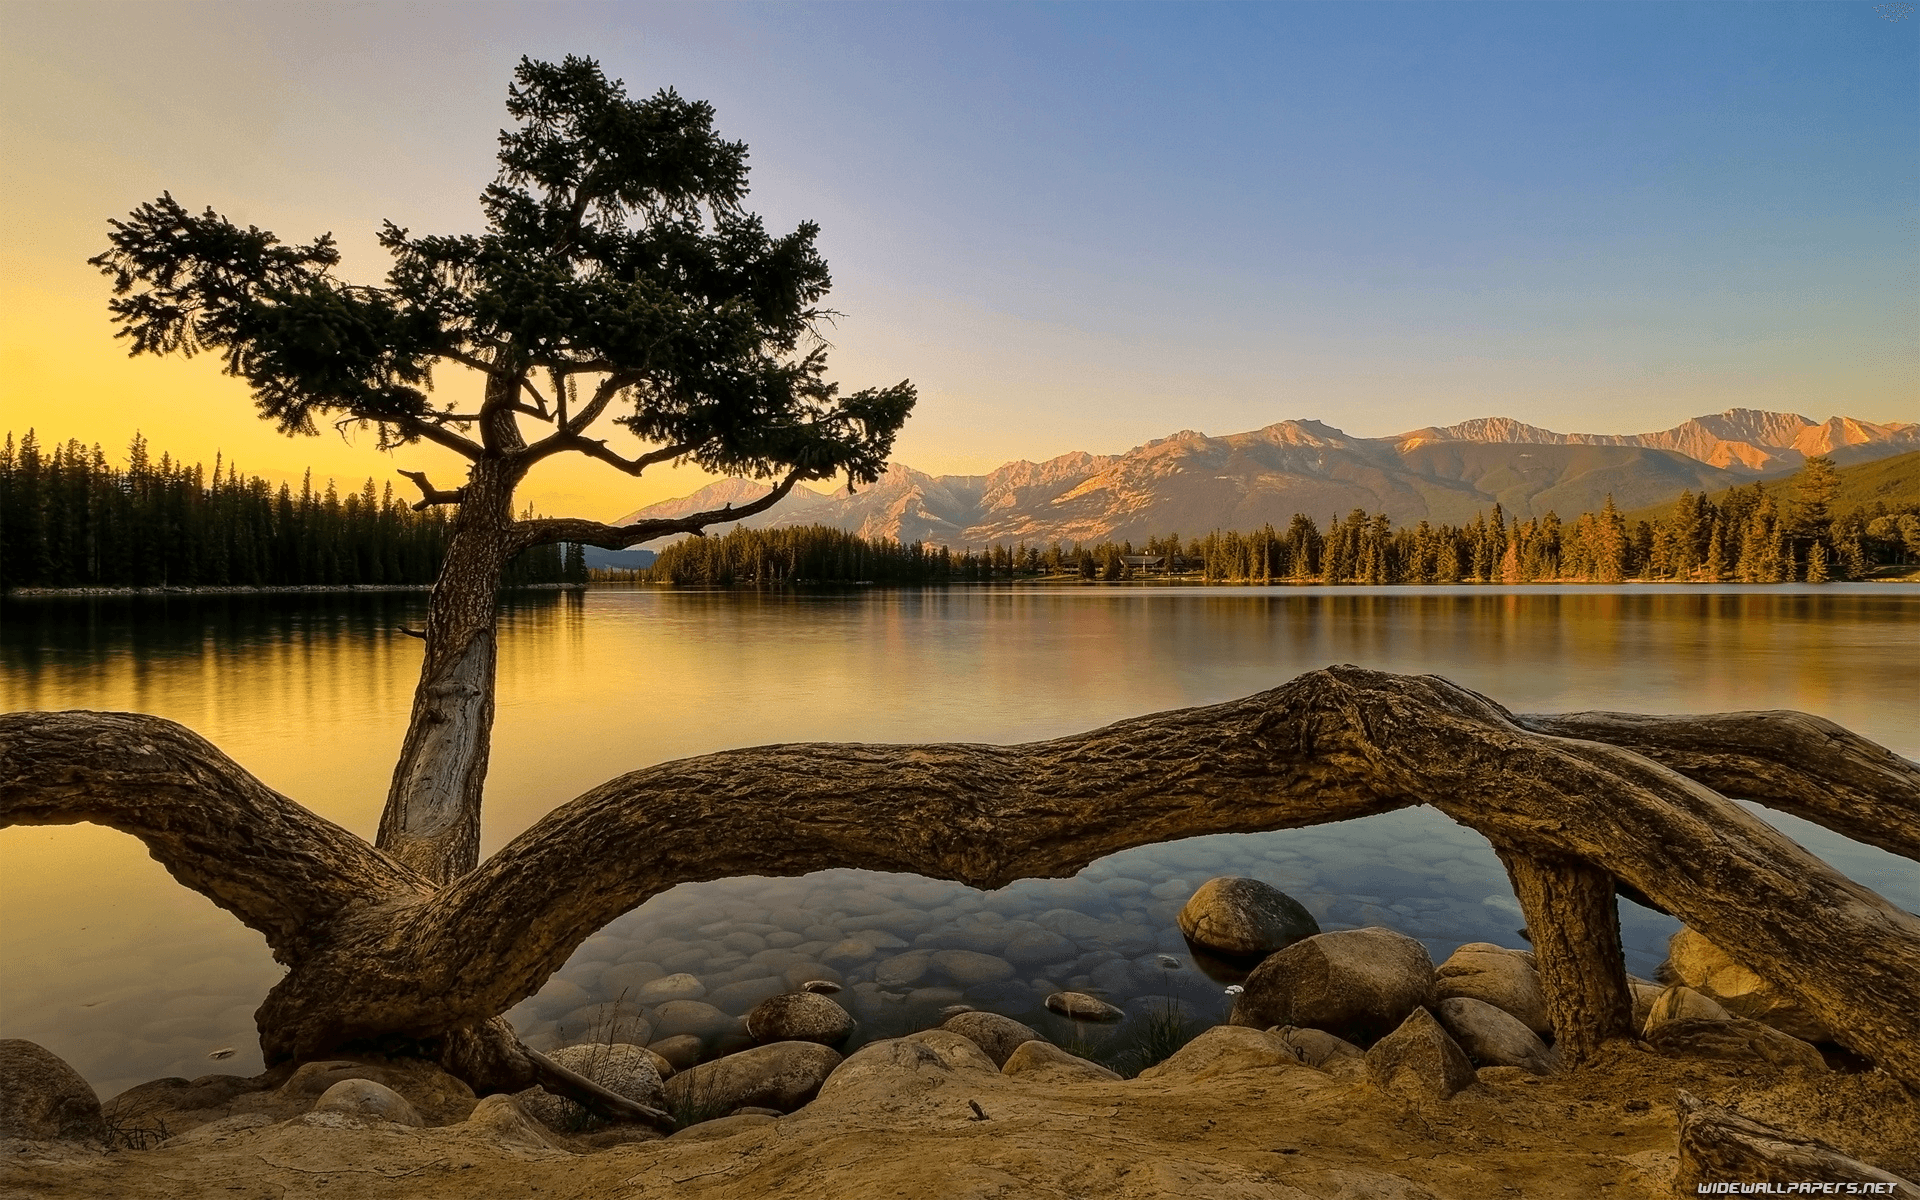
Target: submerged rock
(1078,1006)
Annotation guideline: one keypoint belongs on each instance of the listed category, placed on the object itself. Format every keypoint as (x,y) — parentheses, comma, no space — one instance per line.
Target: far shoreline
(49,593)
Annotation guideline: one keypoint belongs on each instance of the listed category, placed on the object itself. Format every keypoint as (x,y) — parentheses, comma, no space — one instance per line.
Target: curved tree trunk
(380,959)
(431,821)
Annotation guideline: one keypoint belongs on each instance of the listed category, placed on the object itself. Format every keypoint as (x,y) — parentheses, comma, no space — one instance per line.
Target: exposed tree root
(1571,803)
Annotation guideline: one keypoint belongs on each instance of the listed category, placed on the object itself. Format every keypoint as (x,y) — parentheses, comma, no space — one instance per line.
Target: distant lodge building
(1156,564)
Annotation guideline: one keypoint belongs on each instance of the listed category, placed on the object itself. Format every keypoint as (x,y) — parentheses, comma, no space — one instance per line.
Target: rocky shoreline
(1335,1039)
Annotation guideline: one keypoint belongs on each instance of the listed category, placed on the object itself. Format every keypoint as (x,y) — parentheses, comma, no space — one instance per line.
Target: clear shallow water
(107,961)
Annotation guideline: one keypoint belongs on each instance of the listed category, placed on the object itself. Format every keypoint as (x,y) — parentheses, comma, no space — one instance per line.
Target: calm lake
(113,966)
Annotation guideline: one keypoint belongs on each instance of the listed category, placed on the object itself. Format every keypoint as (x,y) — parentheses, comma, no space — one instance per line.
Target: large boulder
(630,1071)
(782,1075)
(1244,918)
(996,1035)
(1420,1060)
(1709,970)
(1494,1038)
(1358,984)
(42,1098)
(1498,976)
(799,1017)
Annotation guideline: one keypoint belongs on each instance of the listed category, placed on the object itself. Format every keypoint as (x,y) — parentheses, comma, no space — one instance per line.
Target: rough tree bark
(376,954)
(431,821)
(1575,926)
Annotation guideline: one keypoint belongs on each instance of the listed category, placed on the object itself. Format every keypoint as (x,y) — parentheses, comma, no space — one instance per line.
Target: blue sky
(1081,226)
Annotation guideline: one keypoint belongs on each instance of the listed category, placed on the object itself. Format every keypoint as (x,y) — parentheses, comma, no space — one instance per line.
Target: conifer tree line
(1748,536)
(70,518)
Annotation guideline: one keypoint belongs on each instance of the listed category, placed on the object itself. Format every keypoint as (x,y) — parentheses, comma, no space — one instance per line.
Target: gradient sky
(1074,226)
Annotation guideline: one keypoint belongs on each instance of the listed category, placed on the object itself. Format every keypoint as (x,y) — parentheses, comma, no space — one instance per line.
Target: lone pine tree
(618,279)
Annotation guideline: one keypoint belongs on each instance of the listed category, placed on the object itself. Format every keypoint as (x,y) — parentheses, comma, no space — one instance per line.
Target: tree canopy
(618,274)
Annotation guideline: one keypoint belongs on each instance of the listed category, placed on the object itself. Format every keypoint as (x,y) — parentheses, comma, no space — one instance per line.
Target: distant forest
(70,519)
(1749,535)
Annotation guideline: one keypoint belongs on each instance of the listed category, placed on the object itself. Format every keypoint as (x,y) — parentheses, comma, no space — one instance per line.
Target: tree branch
(431,495)
(212,825)
(548,530)
(436,434)
(1792,761)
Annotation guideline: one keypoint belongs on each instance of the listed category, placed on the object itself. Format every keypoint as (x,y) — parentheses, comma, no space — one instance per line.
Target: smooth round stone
(778,960)
(1358,984)
(1038,946)
(685,960)
(691,1016)
(611,1021)
(1078,1006)
(679,1052)
(822,932)
(801,974)
(1122,886)
(799,1017)
(1244,918)
(967,968)
(784,940)
(820,987)
(740,998)
(1003,992)
(879,939)
(681,986)
(904,922)
(902,969)
(743,943)
(848,952)
(368,1101)
(630,976)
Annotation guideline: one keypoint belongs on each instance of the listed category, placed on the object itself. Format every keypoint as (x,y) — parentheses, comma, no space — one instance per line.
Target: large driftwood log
(1717,1146)
(375,954)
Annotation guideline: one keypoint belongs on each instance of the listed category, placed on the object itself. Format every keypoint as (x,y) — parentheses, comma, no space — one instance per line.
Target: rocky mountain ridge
(1191,483)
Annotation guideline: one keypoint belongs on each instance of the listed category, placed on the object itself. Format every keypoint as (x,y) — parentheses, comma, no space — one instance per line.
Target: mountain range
(1190,483)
